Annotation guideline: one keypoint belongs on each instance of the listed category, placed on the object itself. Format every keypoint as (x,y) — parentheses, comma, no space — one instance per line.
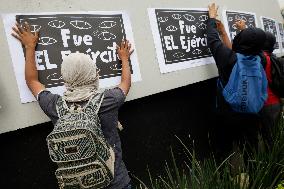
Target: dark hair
(270,42)
(249,41)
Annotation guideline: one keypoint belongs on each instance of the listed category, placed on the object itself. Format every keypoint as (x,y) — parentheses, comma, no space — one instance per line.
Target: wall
(281,3)
(15,115)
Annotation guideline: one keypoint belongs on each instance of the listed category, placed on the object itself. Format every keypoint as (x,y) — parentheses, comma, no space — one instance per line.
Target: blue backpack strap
(250,65)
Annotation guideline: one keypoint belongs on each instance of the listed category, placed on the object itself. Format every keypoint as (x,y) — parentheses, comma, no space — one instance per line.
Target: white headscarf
(80,76)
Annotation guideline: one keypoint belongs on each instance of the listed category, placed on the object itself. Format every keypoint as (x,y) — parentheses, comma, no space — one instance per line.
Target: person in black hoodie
(270,113)
(233,129)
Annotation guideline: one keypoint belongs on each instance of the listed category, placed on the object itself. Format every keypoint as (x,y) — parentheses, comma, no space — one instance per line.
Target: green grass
(264,169)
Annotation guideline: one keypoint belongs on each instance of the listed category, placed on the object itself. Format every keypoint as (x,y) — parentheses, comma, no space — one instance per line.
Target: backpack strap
(220,85)
(94,104)
(92,107)
(253,58)
(61,107)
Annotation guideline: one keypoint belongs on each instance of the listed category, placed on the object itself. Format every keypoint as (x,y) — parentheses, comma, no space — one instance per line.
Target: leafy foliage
(264,169)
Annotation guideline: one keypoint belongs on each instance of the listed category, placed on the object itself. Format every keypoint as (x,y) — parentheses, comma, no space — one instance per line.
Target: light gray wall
(281,3)
(14,115)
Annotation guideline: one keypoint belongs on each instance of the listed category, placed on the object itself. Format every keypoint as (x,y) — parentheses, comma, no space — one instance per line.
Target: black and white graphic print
(281,34)
(62,34)
(182,34)
(269,25)
(232,17)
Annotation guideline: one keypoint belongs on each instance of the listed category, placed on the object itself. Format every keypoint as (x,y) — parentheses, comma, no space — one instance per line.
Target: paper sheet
(92,33)
(180,38)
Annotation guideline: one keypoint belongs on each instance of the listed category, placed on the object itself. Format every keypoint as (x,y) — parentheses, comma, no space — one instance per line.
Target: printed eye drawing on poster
(180,37)
(270,25)
(182,34)
(61,35)
(96,34)
(230,18)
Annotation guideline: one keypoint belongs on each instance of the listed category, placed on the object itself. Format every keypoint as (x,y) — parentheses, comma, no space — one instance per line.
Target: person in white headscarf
(80,76)
(82,82)
(71,67)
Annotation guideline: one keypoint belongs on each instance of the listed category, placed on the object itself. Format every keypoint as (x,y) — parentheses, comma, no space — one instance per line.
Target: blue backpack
(246,90)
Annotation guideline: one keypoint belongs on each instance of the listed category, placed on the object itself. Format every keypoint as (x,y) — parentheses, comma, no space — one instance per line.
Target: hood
(249,41)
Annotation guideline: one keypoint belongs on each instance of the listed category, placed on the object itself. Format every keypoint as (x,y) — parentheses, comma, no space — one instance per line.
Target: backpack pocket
(90,176)
(71,145)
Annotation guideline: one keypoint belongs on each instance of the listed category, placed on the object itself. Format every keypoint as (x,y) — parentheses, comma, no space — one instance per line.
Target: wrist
(124,60)
(32,47)
(222,32)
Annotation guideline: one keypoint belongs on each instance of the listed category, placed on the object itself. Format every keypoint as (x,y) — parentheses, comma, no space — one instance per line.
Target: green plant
(267,166)
(263,169)
(196,174)
(280,185)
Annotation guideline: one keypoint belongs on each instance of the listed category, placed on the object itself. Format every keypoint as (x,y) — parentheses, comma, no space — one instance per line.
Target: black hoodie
(250,41)
(269,43)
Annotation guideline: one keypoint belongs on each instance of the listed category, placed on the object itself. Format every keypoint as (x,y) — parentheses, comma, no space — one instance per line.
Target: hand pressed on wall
(25,36)
(29,41)
(241,24)
(124,50)
(213,10)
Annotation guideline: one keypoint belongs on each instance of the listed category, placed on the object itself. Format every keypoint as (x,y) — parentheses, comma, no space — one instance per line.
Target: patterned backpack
(77,145)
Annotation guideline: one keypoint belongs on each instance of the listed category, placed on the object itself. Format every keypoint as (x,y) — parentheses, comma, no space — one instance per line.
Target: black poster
(182,34)
(61,34)
(269,25)
(232,17)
